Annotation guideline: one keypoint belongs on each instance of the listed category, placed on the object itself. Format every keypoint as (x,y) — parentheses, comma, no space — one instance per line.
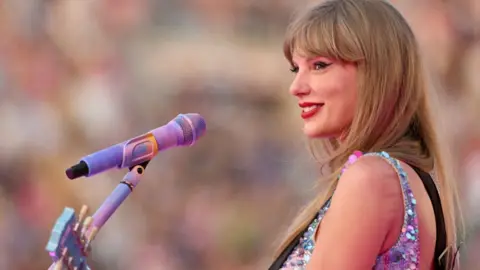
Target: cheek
(341,97)
(339,94)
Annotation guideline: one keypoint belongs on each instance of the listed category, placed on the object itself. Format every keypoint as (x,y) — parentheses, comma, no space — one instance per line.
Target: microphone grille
(193,127)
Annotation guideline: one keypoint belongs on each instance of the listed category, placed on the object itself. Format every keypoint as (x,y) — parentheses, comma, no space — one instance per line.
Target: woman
(363,94)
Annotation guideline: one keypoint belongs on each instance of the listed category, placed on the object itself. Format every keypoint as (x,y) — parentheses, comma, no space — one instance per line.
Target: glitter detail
(302,253)
(404,254)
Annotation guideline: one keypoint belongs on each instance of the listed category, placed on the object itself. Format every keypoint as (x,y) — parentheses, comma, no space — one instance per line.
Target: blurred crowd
(80,75)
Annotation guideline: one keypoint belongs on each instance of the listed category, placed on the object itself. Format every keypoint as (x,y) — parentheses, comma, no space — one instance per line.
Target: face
(326,90)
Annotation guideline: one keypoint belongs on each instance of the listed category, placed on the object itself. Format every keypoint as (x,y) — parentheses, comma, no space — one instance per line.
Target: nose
(299,86)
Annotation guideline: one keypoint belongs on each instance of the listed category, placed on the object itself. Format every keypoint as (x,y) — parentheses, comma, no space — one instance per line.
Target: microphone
(183,130)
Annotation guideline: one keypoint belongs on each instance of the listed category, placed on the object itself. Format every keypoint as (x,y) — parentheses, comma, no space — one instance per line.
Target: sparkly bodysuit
(404,254)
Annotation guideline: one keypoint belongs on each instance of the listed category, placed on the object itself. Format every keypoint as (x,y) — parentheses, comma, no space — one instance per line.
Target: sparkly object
(404,254)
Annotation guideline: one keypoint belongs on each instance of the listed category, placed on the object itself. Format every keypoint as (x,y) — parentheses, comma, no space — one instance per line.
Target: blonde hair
(395,114)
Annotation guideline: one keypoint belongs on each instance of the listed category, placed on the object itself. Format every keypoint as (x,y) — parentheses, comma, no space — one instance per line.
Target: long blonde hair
(394,113)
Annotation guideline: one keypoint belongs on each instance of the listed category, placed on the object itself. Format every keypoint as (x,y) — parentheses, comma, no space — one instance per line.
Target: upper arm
(361,214)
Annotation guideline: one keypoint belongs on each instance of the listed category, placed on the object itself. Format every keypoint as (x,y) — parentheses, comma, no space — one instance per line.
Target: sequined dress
(404,254)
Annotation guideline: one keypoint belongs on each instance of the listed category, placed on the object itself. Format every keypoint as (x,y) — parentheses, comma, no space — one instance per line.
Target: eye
(320,65)
(294,69)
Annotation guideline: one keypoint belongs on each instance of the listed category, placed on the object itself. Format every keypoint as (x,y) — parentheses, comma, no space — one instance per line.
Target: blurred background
(79,75)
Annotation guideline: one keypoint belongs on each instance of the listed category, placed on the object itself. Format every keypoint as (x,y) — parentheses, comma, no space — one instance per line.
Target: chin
(319,132)
(314,132)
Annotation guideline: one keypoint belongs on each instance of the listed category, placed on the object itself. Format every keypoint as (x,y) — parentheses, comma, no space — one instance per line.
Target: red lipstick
(309,109)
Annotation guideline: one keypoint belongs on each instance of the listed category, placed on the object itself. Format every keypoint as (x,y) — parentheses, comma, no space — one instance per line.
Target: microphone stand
(86,229)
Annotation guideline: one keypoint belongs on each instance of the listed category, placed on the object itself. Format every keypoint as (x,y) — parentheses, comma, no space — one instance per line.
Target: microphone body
(183,130)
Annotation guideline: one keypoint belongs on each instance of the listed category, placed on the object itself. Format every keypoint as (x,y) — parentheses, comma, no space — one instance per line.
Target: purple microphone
(184,130)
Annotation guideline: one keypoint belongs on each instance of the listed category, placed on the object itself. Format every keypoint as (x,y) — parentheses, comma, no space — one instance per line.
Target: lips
(310,109)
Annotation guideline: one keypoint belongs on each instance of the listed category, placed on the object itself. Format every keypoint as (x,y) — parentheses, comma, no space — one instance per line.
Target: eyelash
(316,66)
(321,64)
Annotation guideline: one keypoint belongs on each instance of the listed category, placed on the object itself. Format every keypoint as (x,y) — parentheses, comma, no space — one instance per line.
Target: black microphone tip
(69,173)
(76,171)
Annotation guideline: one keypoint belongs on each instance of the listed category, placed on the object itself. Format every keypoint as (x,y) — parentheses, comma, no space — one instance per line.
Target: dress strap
(408,198)
(441,243)
(409,234)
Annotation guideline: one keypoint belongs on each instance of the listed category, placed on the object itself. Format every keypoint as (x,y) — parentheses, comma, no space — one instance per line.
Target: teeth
(307,109)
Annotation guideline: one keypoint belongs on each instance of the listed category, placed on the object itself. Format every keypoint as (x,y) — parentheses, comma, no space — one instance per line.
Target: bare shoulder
(370,175)
(364,209)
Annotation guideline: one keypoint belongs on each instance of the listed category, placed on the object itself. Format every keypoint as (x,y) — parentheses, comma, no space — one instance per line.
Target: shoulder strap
(441,242)
(282,258)
(278,263)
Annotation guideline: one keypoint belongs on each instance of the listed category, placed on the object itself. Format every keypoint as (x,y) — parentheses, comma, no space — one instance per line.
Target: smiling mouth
(310,109)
